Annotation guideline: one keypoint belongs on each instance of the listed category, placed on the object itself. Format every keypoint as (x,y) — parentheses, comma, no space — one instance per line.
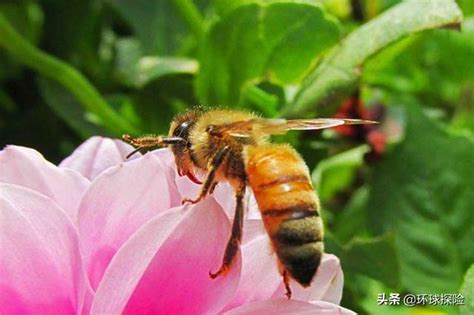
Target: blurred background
(397,198)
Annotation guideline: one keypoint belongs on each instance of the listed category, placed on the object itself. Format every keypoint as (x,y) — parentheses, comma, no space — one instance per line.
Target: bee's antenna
(133,152)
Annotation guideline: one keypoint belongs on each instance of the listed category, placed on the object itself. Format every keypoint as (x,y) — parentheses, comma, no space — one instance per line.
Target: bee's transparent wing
(281,126)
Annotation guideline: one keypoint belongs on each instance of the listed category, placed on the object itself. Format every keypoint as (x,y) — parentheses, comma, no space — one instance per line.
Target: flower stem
(70,78)
(191,15)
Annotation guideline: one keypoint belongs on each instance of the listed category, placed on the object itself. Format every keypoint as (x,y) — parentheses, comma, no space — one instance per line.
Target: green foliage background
(401,222)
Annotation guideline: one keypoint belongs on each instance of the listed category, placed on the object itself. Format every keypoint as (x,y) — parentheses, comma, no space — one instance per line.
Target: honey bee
(234,146)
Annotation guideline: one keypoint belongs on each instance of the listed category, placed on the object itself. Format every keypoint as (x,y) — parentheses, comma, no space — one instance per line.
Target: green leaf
(72,29)
(135,70)
(223,7)
(467,7)
(151,68)
(368,292)
(63,73)
(336,173)
(353,221)
(437,67)
(467,291)
(375,258)
(160,100)
(339,72)
(276,41)
(423,192)
(156,23)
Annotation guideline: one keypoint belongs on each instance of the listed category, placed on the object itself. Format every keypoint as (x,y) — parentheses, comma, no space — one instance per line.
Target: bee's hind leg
(286,281)
(236,235)
(209,183)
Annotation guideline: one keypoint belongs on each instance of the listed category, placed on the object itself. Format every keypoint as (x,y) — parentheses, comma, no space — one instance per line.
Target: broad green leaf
(223,7)
(127,55)
(375,258)
(68,76)
(467,7)
(422,191)
(159,34)
(135,70)
(151,68)
(274,41)
(72,30)
(160,100)
(353,220)
(436,67)
(339,72)
(467,291)
(340,8)
(156,23)
(370,290)
(335,173)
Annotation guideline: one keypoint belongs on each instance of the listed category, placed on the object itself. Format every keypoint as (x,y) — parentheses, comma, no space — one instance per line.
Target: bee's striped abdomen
(281,183)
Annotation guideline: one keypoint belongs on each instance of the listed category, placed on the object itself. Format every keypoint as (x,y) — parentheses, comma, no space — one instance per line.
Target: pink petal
(163,268)
(326,286)
(185,187)
(165,156)
(96,155)
(118,202)
(224,194)
(290,307)
(260,277)
(253,229)
(26,167)
(41,270)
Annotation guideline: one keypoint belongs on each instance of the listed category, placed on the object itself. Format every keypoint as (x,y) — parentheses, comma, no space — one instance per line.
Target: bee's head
(181,128)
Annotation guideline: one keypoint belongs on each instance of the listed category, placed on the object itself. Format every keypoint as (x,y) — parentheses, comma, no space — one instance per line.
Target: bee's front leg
(236,235)
(213,187)
(209,183)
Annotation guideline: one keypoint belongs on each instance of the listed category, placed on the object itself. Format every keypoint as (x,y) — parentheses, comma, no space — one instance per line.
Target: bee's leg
(236,235)
(286,281)
(209,183)
(212,188)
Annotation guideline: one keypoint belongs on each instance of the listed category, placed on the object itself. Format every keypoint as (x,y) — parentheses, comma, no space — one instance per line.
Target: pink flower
(101,235)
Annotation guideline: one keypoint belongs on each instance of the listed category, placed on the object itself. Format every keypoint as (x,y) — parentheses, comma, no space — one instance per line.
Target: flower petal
(118,202)
(260,277)
(326,286)
(26,167)
(224,194)
(96,155)
(186,188)
(290,307)
(163,268)
(40,262)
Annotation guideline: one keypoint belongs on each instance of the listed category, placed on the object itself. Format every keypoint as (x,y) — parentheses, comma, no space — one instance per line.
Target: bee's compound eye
(182,130)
